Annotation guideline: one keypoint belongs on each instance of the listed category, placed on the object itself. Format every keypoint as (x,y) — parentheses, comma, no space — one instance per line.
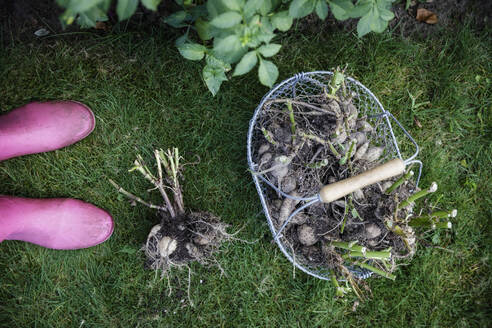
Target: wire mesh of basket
(302,86)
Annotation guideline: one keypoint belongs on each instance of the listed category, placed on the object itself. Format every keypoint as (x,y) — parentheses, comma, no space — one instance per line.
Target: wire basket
(303,85)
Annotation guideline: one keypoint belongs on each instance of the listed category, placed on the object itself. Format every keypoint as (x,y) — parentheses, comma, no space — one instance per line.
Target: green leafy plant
(235,32)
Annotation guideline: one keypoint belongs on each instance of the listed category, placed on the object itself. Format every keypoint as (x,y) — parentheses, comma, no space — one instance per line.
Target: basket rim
(298,76)
(360,273)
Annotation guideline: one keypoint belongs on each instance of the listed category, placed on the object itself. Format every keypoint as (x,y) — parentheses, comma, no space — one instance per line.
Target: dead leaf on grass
(426,16)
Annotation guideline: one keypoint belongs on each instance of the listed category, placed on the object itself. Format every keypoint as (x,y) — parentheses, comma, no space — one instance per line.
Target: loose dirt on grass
(194,236)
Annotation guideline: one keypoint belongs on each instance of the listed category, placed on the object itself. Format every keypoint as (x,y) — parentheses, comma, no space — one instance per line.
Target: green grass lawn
(146,96)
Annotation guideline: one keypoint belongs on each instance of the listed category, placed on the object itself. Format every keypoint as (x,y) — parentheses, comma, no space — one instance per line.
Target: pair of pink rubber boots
(53,223)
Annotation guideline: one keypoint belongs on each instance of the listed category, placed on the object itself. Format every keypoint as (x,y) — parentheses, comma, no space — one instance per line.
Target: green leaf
(226,20)
(215,8)
(197,12)
(301,8)
(126,8)
(364,24)
(203,29)
(67,17)
(251,7)
(181,40)
(246,64)
(254,22)
(85,20)
(176,19)
(212,8)
(378,25)
(282,21)
(104,5)
(384,4)
(269,50)
(234,5)
(266,6)
(90,17)
(213,78)
(341,8)
(361,8)
(386,14)
(267,72)
(150,4)
(63,3)
(265,37)
(229,48)
(266,25)
(265,34)
(213,61)
(79,6)
(322,9)
(192,51)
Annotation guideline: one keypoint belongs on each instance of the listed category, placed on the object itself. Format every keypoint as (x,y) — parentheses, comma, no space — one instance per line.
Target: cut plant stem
(348,154)
(282,160)
(442,225)
(292,120)
(345,212)
(268,136)
(353,210)
(398,182)
(422,221)
(376,255)
(433,218)
(399,231)
(301,103)
(333,149)
(144,170)
(396,229)
(323,142)
(136,198)
(418,195)
(334,280)
(170,160)
(376,270)
(336,82)
(444,214)
(350,246)
(340,291)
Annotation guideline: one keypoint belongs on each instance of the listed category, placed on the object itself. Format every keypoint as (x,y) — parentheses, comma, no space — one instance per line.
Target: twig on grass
(136,198)
(189,286)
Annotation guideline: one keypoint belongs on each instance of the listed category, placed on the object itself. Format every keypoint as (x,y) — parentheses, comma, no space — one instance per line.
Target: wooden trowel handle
(342,188)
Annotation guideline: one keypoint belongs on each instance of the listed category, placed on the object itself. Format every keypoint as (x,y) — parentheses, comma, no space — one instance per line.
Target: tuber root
(287,207)
(306,235)
(167,246)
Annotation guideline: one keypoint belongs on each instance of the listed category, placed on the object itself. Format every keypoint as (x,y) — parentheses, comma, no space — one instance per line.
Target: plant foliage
(235,32)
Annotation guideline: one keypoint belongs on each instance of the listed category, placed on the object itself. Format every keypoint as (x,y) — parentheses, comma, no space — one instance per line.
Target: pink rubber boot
(54,223)
(40,127)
